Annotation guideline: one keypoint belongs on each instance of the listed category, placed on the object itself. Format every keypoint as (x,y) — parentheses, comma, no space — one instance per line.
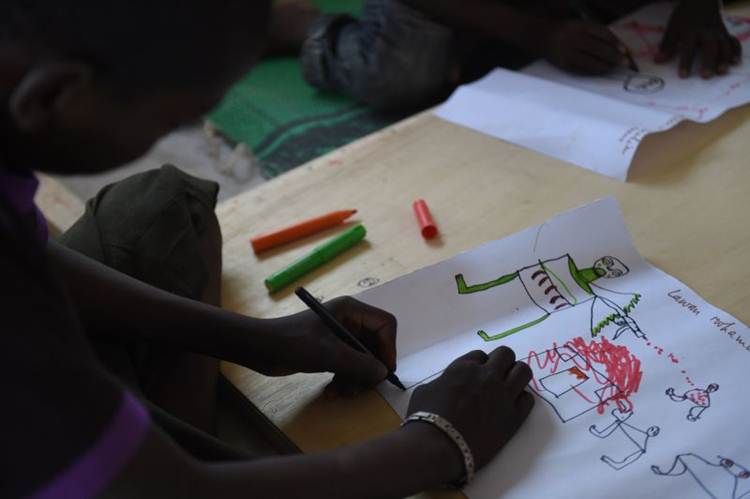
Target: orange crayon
(299,230)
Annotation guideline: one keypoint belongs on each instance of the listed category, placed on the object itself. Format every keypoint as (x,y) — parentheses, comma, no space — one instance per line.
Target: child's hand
(312,347)
(581,47)
(697,26)
(483,397)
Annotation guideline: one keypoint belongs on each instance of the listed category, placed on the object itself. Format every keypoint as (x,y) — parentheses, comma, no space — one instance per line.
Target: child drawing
(629,434)
(700,397)
(558,284)
(582,376)
(722,480)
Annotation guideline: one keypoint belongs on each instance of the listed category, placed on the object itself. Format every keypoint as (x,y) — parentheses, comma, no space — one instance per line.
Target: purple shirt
(68,428)
(18,190)
(89,475)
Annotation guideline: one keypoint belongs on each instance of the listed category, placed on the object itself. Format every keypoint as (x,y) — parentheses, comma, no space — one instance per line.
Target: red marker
(424,218)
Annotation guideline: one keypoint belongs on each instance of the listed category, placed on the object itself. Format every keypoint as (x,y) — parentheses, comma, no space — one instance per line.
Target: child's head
(87,85)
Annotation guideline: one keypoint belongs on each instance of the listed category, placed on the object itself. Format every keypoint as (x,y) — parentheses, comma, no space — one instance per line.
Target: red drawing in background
(648,36)
(582,376)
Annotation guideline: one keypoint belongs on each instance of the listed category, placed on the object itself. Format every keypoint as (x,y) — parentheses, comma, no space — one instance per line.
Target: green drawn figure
(558,284)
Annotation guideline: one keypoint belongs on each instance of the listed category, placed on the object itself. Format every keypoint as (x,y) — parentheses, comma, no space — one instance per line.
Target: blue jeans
(396,58)
(393,57)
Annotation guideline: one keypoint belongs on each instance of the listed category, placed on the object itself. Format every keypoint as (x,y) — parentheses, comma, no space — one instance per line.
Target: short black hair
(176,41)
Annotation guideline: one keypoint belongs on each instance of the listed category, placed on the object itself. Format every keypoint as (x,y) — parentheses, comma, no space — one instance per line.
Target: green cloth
(285,121)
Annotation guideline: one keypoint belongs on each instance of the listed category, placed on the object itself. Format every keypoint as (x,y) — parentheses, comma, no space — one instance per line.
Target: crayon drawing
(643,84)
(558,284)
(723,479)
(613,408)
(637,83)
(579,377)
(700,398)
(634,440)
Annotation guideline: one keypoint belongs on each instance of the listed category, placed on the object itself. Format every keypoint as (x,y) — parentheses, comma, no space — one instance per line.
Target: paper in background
(598,123)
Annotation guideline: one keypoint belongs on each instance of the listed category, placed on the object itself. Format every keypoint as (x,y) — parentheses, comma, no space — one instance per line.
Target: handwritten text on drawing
(729,328)
(631,139)
(681,301)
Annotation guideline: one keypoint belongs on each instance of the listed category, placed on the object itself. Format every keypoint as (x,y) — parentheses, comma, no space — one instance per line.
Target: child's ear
(44,91)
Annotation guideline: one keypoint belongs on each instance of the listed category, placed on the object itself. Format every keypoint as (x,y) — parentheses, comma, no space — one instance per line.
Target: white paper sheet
(598,123)
(624,370)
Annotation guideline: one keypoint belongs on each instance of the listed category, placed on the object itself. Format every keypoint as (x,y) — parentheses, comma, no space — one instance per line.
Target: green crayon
(317,257)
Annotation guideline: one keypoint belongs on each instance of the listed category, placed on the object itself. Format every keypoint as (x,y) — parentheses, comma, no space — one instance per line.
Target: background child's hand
(483,397)
(312,347)
(697,26)
(581,47)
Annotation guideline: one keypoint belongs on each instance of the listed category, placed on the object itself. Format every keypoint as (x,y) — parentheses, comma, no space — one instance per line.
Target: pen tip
(396,382)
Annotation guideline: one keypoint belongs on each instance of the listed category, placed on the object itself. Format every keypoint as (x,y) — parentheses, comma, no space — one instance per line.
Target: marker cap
(424,218)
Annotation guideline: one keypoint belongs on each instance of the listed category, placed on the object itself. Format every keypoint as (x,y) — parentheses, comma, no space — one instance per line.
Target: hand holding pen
(584,47)
(363,336)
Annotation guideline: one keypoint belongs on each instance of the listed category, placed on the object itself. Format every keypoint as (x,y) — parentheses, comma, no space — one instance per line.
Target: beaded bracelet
(454,435)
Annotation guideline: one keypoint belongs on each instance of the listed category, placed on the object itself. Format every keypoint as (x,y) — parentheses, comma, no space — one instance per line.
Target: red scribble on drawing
(687,378)
(699,398)
(734,86)
(623,368)
(580,376)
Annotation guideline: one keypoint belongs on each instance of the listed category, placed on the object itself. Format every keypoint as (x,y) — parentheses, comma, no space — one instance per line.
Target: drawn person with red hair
(700,397)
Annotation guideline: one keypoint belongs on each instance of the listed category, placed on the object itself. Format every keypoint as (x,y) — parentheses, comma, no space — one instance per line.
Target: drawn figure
(578,377)
(643,84)
(637,83)
(630,434)
(724,479)
(700,397)
(558,284)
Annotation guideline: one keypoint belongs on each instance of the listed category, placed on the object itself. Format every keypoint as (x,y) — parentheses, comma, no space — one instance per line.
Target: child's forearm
(399,464)
(109,302)
(396,465)
(490,19)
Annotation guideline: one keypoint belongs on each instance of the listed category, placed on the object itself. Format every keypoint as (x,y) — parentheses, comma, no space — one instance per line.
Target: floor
(199,151)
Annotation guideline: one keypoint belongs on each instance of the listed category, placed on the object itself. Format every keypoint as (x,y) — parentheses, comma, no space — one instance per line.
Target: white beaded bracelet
(454,435)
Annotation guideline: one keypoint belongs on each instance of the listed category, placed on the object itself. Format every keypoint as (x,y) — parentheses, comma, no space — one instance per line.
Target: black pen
(631,62)
(338,329)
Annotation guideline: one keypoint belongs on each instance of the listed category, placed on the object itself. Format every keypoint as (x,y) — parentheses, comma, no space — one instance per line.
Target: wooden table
(686,205)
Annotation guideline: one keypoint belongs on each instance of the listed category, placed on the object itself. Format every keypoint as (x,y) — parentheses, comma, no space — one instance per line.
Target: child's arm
(574,45)
(113,303)
(482,396)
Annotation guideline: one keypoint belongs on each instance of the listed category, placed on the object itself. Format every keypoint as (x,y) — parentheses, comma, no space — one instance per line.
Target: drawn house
(569,383)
